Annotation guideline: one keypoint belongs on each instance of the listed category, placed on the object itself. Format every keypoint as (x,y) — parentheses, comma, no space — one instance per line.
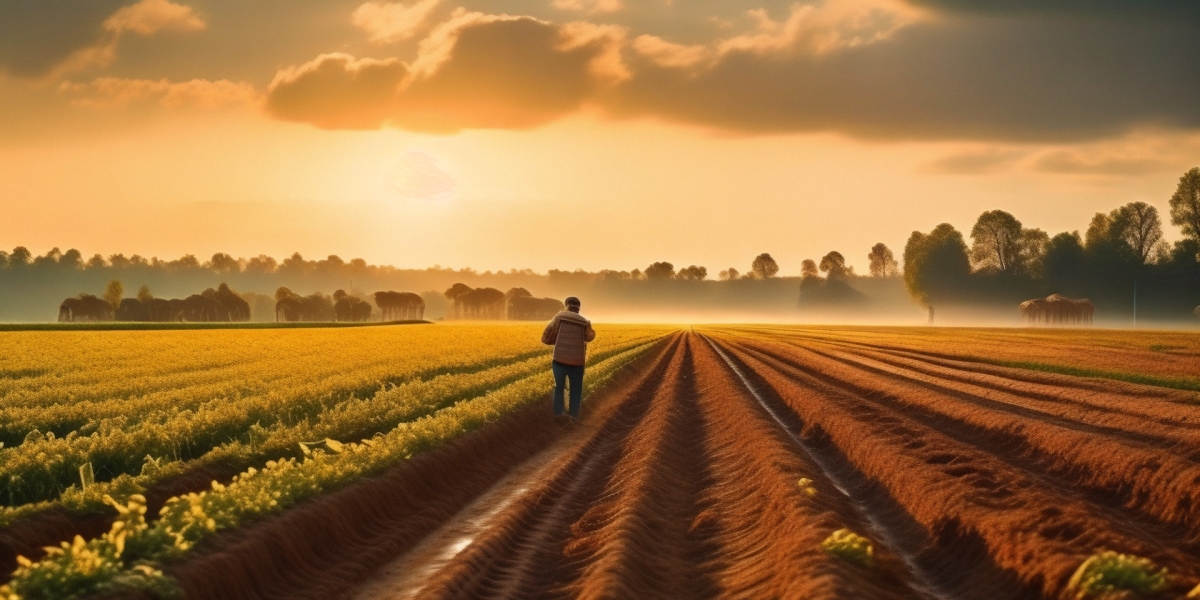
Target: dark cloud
(37,35)
(975,162)
(494,73)
(1073,163)
(964,78)
(1153,9)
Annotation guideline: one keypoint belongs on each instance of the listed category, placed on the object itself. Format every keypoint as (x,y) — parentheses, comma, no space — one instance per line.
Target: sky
(581,133)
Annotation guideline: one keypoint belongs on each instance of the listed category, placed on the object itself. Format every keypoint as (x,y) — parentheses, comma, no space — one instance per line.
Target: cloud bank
(868,68)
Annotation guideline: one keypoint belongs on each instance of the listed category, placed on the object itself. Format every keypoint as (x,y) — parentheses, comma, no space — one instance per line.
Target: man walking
(569,333)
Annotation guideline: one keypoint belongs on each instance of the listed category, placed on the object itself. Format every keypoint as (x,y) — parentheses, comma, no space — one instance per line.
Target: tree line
(517,304)
(212,305)
(1120,262)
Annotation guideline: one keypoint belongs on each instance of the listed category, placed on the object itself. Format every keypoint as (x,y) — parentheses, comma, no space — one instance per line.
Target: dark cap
(572,301)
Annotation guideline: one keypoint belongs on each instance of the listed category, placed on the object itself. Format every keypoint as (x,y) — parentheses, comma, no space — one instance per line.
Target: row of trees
(1120,260)
(517,304)
(212,305)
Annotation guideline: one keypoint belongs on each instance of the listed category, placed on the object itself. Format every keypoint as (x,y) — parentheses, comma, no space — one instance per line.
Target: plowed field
(774,463)
(724,460)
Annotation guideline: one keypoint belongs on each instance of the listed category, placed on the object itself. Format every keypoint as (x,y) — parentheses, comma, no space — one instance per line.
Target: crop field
(741,462)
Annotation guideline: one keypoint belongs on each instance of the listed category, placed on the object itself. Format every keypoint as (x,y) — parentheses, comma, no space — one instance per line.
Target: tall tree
(693,273)
(882,261)
(660,270)
(144,294)
(113,293)
(1138,225)
(764,267)
(834,266)
(996,242)
(1185,204)
(936,266)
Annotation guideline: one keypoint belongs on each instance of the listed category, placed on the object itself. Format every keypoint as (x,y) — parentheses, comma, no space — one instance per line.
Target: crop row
(128,555)
(44,470)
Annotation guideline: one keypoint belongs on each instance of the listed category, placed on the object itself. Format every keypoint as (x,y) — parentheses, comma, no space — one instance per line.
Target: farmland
(756,462)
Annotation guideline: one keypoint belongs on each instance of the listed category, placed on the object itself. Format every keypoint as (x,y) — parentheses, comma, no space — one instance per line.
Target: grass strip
(1191,384)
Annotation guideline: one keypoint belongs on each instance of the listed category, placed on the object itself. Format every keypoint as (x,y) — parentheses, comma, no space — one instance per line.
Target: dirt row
(1000,486)
(719,464)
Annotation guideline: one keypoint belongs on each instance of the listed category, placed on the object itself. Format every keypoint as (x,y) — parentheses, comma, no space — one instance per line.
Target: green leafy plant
(850,546)
(1109,571)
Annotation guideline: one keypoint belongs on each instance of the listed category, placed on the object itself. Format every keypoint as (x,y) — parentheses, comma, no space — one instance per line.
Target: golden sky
(580,133)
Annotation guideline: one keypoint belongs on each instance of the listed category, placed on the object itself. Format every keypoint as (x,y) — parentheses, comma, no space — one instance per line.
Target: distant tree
(456,295)
(693,273)
(834,266)
(282,293)
(20,257)
(71,259)
(1138,225)
(185,262)
(936,266)
(1033,251)
(96,262)
(996,242)
(224,263)
(50,259)
(1185,204)
(144,294)
(763,267)
(882,262)
(1063,262)
(261,264)
(729,274)
(660,270)
(808,269)
(113,294)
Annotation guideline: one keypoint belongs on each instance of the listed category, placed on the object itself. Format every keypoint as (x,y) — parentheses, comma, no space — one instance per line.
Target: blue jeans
(561,374)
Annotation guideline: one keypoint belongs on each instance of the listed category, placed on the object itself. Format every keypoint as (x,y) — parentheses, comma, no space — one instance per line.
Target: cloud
(419,176)
(974,162)
(337,91)
(876,69)
(151,16)
(40,38)
(589,6)
(961,78)
(387,22)
(820,29)
(1143,9)
(475,71)
(113,92)
(1066,162)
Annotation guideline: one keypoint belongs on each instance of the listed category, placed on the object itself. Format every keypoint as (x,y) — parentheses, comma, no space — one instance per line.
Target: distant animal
(1057,309)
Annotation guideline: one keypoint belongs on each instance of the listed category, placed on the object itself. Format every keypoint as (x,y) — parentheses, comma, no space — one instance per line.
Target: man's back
(569,332)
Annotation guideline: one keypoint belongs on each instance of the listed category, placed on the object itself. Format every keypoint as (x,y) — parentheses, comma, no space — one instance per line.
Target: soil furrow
(1111,473)
(322,548)
(770,533)
(521,547)
(957,493)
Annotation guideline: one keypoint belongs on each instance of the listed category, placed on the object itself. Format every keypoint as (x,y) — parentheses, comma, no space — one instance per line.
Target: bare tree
(883,262)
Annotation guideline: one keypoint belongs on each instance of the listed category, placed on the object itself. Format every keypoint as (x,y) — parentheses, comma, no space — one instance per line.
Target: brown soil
(970,481)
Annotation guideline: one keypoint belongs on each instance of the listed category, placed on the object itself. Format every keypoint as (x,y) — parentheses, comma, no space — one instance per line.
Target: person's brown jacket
(569,332)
